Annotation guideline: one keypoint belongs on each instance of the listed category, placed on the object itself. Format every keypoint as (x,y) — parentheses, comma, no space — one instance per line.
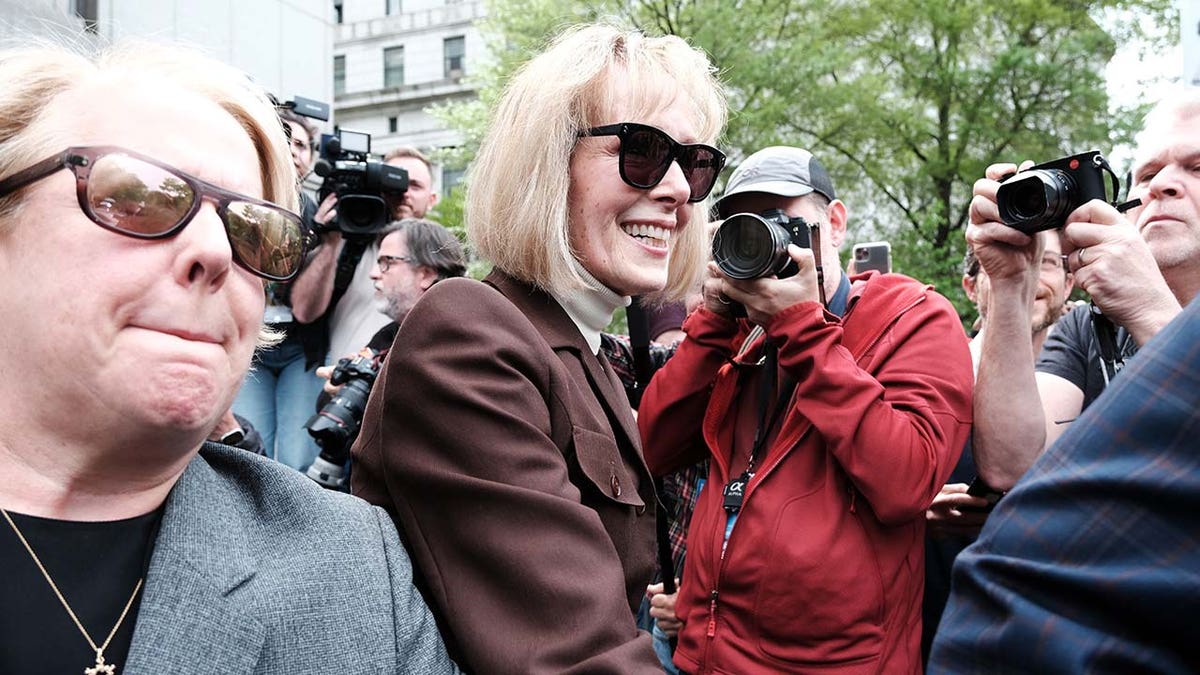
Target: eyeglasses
(134,195)
(647,153)
(385,262)
(1052,262)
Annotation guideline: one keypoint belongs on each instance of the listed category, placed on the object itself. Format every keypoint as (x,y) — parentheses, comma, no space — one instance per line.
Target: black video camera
(359,182)
(1041,197)
(749,246)
(336,424)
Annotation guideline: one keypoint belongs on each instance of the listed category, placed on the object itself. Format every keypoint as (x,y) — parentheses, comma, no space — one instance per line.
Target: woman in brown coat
(498,437)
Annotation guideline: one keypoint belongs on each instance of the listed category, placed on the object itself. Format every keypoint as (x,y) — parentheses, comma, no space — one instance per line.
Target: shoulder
(285,509)
(886,295)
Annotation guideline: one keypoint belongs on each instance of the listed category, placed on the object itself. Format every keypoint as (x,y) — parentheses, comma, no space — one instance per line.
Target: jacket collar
(561,333)
(188,621)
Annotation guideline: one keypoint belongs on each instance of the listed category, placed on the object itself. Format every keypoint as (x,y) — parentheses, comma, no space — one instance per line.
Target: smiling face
(120,332)
(621,234)
(1166,178)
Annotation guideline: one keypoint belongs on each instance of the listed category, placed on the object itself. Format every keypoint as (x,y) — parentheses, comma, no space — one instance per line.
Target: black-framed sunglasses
(385,262)
(647,153)
(140,197)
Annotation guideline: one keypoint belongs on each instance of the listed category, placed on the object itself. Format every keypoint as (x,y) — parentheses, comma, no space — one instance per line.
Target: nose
(203,255)
(1166,183)
(376,273)
(673,189)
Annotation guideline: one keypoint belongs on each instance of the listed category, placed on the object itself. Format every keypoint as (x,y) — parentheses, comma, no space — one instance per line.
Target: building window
(392,125)
(393,66)
(339,75)
(87,10)
(455,50)
(392,7)
(337,11)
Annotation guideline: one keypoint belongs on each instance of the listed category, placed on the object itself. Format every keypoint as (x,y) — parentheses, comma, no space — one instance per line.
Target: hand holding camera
(764,264)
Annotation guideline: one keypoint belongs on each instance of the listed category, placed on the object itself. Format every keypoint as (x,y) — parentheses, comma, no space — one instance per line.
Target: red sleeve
(673,406)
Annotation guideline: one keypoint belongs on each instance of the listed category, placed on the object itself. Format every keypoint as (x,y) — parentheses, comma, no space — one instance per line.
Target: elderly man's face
(157,334)
(1166,178)
(399,288)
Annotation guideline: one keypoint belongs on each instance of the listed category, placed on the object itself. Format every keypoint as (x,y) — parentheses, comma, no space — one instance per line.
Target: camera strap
(1111,358)
(348,259)
(768,383)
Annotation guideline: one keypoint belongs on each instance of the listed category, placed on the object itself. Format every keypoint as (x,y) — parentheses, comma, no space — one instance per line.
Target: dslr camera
(1041,198)
(359,182)
(749,246)
(336,424)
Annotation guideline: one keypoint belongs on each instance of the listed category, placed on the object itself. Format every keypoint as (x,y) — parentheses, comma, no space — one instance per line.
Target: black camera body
(335,426)
(750,246)
(1041,198)
(359,182)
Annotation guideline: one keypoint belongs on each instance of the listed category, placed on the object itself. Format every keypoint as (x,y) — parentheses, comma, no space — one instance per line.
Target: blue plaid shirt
(1092,563)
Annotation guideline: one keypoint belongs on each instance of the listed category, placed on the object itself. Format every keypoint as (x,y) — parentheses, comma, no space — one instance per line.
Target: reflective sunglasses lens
(700,167)
(137,198)
(646,156)
(266,240)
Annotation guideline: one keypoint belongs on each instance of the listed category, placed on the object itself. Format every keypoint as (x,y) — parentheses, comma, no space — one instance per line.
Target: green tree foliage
(905,101)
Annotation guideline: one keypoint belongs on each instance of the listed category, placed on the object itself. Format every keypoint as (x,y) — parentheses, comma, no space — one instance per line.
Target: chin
(184,398)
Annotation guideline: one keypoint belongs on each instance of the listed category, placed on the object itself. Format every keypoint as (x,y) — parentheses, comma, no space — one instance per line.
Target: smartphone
(873,255)
(978,488)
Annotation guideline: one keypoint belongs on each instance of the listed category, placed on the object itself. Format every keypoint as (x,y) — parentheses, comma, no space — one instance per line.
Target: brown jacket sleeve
(459,444)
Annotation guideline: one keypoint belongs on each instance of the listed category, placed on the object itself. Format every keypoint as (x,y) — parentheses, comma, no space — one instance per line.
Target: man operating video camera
(335,285)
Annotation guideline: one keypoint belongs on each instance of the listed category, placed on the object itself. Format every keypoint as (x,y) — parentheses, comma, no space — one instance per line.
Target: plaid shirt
(1092,563)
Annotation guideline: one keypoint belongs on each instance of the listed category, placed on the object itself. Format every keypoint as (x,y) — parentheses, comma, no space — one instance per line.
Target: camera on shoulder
(359,181)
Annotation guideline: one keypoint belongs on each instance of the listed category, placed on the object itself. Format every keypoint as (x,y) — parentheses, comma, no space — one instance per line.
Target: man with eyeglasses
(1139,269)
(833,414)
(414,254)
(956,516)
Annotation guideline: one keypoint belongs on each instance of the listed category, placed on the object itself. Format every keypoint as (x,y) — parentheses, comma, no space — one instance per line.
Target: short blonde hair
(1181,104)
(34,75)
(517,212)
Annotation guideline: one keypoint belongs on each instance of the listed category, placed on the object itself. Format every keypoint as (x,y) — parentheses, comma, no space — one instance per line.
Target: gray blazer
(256,569)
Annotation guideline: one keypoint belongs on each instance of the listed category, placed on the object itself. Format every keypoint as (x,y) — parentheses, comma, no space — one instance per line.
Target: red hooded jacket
(824,569)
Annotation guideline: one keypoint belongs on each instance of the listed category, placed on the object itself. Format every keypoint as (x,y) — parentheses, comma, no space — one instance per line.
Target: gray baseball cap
(779,170)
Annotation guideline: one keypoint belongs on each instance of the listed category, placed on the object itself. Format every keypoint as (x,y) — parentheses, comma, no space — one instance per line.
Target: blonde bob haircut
(517,213)
(33,75)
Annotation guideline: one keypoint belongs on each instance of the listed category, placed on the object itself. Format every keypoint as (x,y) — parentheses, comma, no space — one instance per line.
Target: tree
(905,101)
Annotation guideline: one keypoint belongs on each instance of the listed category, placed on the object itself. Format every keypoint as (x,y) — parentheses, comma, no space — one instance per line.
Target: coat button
(616,486)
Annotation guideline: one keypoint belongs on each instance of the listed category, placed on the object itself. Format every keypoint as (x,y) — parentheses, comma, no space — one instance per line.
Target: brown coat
(509,458)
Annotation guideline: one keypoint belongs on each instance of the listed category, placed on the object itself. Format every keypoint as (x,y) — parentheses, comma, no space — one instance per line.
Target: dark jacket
(508,455)
(824,567)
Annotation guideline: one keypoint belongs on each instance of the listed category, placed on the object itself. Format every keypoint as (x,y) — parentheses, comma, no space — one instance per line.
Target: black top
(1071,353)
(95,565)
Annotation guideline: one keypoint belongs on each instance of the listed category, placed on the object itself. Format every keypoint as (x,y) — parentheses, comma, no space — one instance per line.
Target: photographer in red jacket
(834,412)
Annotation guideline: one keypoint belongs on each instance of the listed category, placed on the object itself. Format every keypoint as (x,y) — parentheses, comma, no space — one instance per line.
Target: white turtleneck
(591,308)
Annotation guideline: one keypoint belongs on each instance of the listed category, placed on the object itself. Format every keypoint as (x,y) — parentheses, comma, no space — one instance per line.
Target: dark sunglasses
(140,197)
(647,153)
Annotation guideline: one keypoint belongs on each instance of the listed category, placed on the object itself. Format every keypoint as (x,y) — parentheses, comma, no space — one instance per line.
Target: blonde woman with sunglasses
(499,437)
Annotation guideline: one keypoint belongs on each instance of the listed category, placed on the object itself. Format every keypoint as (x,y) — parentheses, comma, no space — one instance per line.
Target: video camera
(1041,198)
(359,182)
(335,426)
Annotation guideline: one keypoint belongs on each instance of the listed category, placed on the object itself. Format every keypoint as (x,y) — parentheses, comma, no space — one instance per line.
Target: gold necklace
(101,667)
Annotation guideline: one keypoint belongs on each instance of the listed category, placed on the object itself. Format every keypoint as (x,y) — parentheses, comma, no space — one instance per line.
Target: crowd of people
(810,469)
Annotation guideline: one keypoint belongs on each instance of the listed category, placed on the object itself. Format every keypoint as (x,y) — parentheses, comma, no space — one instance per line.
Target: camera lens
(1037,200)
(747,246)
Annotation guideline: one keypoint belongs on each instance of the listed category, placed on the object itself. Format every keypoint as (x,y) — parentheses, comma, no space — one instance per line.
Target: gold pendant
(101,668)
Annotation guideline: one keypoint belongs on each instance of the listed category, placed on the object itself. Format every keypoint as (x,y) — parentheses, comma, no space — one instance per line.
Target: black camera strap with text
(735,490)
